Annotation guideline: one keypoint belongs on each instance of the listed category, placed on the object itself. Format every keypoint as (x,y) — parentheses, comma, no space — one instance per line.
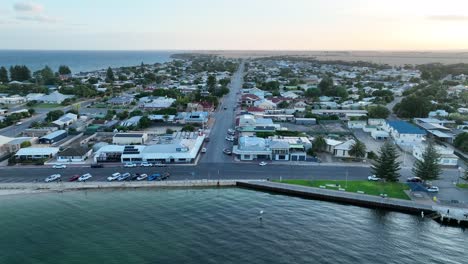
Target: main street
(224,119)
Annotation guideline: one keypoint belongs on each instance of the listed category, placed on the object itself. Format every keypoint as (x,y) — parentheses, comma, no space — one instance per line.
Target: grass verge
(392,189)
(462,185)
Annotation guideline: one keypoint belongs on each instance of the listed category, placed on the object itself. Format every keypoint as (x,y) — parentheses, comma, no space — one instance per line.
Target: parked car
(262,163)
(142,177)
(53,177)
(85,177)
(433,189)
(227,151)
(414,179)
(229,138)
(159,164)
(19,123)
(230,130)
(373,178)
(97,165)
(74,178)
(130,165)
(134,177)
(114,176)
(124,176)
(165,175)
(155,176)
(146,164)
(59,166)
(203,150)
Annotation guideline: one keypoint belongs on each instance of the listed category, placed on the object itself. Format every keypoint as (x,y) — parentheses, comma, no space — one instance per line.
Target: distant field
(392,189)
(381,57)
(47,105)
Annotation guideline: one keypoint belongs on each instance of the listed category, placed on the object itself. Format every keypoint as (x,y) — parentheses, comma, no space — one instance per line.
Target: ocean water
(80,61)
(213,226)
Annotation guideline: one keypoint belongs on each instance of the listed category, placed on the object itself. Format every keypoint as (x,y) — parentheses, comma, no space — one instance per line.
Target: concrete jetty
(358,199)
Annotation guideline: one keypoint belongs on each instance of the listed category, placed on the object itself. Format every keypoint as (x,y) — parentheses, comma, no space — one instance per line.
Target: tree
(122,115)
(312,93)
(25,144)
(326,85)
(319,144)
(283,104)
(31,111)
(378,111)
(20,73)
(64,70)
(3,75)
(211,83)
(45,76)
(358,150)
(54,115)
(144,122)
(342,92)
(461,141)
(110,75)
(428,167)
(413,106)
(386,165)
(188,128)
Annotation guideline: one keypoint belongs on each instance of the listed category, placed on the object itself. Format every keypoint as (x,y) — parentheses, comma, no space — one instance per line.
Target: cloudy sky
(235,24)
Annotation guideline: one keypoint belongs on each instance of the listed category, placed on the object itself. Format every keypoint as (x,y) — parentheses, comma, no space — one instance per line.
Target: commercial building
(74,154)
(447,156)
(36,153)
(65,120)
(53,137)
(180,147)
(273,148)
(129,138)
(38,132)
(404,133)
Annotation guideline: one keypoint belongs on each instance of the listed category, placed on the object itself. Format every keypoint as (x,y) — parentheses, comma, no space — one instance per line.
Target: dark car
(154,177)
(74,178)
(414,179)
(134,177)
(97,165)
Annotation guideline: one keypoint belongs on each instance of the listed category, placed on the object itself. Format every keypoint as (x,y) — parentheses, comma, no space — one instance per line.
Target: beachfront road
(210,171)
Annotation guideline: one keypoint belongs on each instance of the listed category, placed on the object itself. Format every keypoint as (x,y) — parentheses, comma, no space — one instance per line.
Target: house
(447,156)
(121,100)
(53,137)
(74,154)
(54,98)
(342,150)
(65,120)
(265,104)
(132,121)
(249,99)
(404,133)
(331,144)
(15,144)
(438,113)
(200,107)
(34,96)
(38,132)
(129,138)
(158,103)
(14,99)
(300,106)
(32,153)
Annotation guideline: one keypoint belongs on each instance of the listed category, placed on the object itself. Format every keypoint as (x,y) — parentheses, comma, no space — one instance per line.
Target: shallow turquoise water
(213,226)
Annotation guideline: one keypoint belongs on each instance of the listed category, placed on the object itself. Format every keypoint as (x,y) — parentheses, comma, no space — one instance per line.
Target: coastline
(34,188)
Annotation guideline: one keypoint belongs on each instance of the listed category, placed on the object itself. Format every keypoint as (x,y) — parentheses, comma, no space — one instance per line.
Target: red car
(74,178)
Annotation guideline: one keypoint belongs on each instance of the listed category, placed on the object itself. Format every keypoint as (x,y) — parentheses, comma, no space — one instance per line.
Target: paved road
(224,119)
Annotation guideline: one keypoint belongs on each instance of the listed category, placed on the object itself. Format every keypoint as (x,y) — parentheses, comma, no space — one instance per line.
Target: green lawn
(47,105)
(392,189)
(462,185)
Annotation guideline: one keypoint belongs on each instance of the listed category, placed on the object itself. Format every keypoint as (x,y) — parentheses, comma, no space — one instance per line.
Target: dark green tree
(326,85)
(413,106)
(144,122)
(378,111)
(188,128)
(358,149)
(461,141)
(312,93)
(3,75)
(386,165)
(20,73)
(319,144)
(211,83)
(110,75)
(428,168)
(45,76)
(64,70)
(54,115)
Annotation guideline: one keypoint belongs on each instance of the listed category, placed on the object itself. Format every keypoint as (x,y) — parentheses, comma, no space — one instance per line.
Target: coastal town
(198,114)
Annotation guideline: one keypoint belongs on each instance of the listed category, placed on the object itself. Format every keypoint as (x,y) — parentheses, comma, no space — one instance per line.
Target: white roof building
(54,98)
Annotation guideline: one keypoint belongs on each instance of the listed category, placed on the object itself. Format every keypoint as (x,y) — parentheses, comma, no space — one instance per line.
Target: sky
(234,24)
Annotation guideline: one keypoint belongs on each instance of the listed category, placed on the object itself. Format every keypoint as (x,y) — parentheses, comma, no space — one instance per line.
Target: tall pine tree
(3,75)
(386,165)
(428,168)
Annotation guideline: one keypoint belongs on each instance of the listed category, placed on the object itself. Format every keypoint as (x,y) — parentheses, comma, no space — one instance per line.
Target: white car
(146,164)
(159,164)
(59,166)
(142,177)
(433,189)
(53,177)
(230,138)
(262,163)
(373,178)
(114,176)
(85,177)
(130,165)
(203,150)
(230,130)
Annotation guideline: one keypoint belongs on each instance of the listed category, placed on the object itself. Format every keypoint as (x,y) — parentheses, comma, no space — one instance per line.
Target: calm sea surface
(213,226)
(80,61)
